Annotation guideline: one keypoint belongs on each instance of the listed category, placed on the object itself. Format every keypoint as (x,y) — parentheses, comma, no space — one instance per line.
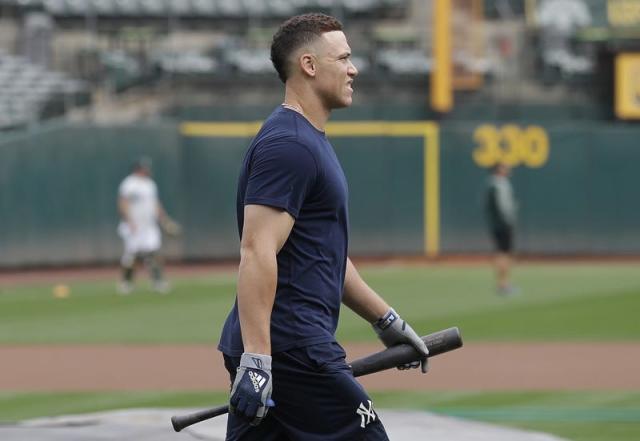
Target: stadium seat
(205,8)
(26,88)
(153,8)
(231,8)
(185,62)
(403,61)
(180,7)
(251,61)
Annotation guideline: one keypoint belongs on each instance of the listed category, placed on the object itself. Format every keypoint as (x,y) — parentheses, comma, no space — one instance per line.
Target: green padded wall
(581,201)
(58,189)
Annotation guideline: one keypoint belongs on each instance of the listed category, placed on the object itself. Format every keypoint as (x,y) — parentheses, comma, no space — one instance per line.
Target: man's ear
(308,64)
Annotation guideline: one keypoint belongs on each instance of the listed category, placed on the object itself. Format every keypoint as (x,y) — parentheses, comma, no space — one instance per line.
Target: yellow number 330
(511,145)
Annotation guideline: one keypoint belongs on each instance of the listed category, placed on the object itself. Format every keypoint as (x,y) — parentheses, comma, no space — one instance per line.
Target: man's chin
(345,103)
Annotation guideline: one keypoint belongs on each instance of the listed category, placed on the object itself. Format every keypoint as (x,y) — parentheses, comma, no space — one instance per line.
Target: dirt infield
(477,366)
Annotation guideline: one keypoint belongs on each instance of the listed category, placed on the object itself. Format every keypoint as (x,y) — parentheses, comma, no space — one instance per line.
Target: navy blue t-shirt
(291,165)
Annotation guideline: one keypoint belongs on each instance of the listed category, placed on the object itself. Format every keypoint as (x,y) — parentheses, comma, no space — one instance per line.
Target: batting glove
(251,390)
(393,330)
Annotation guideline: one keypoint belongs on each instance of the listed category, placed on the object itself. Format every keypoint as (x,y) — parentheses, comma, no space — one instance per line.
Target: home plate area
(155,425)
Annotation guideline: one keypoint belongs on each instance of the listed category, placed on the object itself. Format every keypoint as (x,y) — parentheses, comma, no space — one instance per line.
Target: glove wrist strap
(386,320)
(256,361)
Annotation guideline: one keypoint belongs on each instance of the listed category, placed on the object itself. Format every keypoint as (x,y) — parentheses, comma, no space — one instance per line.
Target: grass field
(559,302)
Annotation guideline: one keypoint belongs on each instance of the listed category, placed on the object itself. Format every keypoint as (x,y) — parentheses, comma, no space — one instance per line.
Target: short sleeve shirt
(141,194)
(291,166)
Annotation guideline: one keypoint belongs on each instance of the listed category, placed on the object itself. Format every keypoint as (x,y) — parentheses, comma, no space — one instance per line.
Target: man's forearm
(123,209)
(257,280)
(359,296)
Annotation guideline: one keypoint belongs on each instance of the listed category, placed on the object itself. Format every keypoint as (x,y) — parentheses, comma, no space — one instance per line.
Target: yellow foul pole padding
(431,192)
(441,75)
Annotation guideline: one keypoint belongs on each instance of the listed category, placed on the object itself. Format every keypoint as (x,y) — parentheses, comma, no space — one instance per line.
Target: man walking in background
(501,208)
(141,216)
(279,339)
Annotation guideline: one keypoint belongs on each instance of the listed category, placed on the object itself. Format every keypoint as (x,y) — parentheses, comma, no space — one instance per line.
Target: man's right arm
(123,209)
(265,230)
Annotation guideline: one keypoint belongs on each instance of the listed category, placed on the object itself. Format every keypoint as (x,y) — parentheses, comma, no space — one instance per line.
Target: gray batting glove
(250,396)
(392,330)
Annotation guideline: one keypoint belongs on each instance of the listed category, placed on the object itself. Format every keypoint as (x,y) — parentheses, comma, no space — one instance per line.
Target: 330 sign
(510,144)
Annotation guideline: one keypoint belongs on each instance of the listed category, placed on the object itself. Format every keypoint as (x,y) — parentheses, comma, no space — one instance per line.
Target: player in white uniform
(141,213)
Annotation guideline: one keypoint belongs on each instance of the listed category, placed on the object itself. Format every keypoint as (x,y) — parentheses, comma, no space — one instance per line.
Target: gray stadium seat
(127,7)
(254,8)
(186,62)
(403,61)
(279,8)
(76,7)
(205,8)
(26,87)
(359,5)
(103,7)
(231,8)
(153,8)
(56,7)
(180,7)
(251,61)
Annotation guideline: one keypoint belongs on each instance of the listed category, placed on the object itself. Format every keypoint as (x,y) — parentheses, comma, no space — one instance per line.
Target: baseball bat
(437,343)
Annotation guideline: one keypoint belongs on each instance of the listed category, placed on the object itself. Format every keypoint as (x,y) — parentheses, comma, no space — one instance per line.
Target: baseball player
(501,209)
(141,216)
(289,378)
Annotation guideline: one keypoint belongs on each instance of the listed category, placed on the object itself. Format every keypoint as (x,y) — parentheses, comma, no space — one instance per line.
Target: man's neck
(308,105)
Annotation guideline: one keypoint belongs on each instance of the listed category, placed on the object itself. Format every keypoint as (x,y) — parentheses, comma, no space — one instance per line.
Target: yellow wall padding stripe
(426,130)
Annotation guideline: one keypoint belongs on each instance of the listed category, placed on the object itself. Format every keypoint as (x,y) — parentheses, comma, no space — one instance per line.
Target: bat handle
(438,343)
(179,422)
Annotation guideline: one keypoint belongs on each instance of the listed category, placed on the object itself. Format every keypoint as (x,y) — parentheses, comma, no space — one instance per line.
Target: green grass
(558,302)
(577,416)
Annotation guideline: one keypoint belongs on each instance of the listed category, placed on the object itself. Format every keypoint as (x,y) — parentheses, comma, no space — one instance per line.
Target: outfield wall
(577,195)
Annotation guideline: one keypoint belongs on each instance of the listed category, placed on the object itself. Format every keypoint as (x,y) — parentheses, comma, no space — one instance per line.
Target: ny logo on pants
(367,415)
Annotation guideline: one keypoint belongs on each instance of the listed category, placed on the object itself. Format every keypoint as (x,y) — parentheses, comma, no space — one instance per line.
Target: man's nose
(353,70)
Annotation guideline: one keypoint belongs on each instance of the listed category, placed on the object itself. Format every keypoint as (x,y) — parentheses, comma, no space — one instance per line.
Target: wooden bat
(437,343)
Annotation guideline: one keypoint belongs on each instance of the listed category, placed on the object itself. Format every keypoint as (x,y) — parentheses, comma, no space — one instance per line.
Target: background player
(501,215)
(142,214)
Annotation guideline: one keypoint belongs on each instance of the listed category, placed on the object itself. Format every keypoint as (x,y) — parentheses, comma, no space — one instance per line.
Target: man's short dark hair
(142,163)
(295,33)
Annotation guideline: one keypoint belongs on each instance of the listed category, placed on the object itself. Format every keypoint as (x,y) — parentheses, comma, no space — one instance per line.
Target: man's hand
(251,391)
(392,330)
(170,227)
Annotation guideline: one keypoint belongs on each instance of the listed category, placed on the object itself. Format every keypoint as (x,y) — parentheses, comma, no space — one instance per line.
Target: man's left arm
(167,224)
(390,327)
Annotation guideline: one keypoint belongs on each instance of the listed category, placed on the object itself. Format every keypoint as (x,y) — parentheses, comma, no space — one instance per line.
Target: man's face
(504,170)
(143,171)
(335,71)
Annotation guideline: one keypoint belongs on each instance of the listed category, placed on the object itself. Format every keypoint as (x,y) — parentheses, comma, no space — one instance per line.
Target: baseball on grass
(61,291)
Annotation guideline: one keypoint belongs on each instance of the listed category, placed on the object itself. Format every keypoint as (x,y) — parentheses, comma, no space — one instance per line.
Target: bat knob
(175,424)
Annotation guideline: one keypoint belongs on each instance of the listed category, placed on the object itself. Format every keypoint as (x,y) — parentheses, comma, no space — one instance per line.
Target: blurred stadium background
(550,87)
(447,88)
